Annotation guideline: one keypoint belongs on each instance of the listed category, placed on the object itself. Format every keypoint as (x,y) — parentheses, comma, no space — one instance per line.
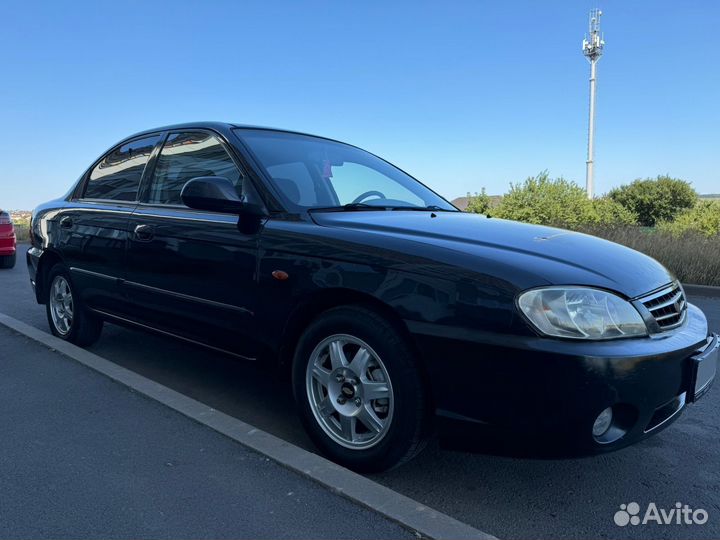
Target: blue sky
(463,95)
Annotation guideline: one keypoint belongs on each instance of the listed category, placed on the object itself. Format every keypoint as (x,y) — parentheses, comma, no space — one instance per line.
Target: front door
(191,272)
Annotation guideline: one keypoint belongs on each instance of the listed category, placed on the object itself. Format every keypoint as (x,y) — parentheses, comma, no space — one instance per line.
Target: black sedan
(396,314)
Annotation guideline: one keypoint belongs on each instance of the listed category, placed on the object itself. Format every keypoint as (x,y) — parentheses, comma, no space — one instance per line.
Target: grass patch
(692,257)
(22,232)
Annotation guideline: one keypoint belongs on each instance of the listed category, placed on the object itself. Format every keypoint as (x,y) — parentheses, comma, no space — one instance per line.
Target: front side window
(351,180)
(294,181)
(186,156)
(117,176)
(310,172)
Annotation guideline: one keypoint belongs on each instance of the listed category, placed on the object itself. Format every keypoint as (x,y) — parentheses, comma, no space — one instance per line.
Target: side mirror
(216,194)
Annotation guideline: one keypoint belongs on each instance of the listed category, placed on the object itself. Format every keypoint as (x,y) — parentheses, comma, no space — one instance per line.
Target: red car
(7,241)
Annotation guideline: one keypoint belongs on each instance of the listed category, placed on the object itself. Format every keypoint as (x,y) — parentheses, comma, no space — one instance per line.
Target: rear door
(192,272)
(91,233)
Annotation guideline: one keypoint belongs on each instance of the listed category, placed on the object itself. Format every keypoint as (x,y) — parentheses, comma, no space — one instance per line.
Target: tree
(655,200)
(478,203)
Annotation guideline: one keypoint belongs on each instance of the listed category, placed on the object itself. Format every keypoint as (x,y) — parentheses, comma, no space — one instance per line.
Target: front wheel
(67,316)
(359,391)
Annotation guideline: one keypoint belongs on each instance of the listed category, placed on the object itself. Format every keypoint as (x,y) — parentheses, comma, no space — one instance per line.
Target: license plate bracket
(703,369)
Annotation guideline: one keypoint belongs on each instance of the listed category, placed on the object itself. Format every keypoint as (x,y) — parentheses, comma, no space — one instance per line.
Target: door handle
(66,222)
(144,233)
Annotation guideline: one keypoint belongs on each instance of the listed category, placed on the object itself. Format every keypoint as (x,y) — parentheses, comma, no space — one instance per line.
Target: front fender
(414,287)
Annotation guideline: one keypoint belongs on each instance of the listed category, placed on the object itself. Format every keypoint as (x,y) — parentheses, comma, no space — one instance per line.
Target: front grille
(667,306)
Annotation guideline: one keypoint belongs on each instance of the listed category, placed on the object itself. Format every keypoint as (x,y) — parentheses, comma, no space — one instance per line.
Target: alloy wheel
(61,305)
(350,392)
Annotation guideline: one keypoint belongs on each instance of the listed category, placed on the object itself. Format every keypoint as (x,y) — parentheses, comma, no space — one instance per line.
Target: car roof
(216,126)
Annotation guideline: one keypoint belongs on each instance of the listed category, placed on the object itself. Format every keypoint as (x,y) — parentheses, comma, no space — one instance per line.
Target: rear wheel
(359,391)
(8,261)
(67,316)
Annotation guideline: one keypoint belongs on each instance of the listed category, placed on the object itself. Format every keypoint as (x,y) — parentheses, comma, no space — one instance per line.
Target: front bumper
(33,263)
(537,395)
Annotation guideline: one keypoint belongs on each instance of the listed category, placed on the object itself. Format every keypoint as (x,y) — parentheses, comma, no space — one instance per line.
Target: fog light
(602,422)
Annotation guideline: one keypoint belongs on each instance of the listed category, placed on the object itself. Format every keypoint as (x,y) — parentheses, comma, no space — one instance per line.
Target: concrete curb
(702,290)
(417,517)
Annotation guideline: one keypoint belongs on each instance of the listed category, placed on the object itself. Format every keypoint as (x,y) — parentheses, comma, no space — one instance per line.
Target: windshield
(313,173)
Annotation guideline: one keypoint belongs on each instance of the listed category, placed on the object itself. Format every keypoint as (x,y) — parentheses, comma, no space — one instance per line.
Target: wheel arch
(47,260)
(312,307)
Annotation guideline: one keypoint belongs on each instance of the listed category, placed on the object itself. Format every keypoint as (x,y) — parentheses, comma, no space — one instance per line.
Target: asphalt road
(84,457)
(506,497)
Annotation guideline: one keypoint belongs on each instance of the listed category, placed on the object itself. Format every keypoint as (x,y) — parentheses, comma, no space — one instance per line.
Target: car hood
(496,246)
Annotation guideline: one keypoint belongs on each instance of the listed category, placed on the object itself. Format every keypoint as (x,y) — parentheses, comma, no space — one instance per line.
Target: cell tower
(592,49)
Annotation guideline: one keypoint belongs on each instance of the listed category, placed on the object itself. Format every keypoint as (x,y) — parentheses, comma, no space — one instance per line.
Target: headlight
(581,313)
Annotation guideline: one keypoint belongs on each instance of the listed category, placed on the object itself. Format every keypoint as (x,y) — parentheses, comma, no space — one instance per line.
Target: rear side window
(186,156)
(117,176)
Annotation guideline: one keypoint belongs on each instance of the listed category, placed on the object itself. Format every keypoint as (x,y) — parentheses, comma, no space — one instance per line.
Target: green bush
(478,203)
(541,199)
(703,218)
(609,212)
(559,202)
(655,200)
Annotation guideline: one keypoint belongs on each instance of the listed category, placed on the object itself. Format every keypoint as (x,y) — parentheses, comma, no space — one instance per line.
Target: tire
(8,261)
(67,316)
(331,389)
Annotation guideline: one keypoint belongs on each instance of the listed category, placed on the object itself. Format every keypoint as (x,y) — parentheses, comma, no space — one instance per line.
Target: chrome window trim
(229,219)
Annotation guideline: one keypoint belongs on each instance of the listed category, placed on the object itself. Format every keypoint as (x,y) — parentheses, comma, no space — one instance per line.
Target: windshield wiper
(365,206)
(430,208)
(349,207)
